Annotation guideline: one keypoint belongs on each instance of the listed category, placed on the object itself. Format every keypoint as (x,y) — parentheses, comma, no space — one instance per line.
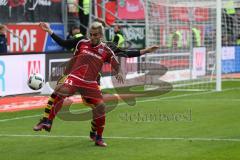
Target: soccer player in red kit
(54,102)
(86,63)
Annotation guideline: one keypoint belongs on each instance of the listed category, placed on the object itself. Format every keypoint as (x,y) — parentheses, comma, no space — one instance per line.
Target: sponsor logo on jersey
(91,53)
(100,50)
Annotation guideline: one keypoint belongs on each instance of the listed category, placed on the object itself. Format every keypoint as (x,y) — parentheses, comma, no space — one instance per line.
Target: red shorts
(90,91)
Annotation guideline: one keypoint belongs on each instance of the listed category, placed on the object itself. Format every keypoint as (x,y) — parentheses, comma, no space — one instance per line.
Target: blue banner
(232,65)
(51,45)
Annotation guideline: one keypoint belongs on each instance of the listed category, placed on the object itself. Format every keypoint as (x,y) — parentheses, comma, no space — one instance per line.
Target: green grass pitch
(177,125)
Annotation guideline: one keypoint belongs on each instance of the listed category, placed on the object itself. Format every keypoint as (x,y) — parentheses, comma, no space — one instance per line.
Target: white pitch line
(196,100)
(22,117)
(184,95)
(120,104)
(126,138)
(37,115)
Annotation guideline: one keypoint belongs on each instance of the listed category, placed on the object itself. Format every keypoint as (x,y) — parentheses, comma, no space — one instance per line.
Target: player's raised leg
(54,105)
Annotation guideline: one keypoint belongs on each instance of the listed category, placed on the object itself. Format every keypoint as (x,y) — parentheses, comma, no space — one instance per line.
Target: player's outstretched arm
(149,49)
(133,52)
(45,27)
(69,44)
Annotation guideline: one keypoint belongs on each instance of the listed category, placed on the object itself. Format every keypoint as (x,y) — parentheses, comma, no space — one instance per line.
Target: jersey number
(68,81)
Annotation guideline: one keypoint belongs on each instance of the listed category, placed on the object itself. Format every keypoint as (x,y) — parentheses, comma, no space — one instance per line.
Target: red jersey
(88,60)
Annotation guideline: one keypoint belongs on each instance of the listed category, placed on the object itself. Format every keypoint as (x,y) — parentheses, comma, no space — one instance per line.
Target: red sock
(100,123)
(99,118)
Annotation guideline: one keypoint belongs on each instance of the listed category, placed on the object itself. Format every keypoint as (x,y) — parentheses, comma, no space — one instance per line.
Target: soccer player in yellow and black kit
(55,102)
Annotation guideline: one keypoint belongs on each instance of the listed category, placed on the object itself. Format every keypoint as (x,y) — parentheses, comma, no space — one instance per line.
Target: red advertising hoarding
(29,37)
(131,9)
(184,14)
(180,13)
(25,38)
(201,14)
(158,12)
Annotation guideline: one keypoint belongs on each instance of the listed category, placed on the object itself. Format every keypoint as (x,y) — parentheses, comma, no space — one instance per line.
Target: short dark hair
(2,26)
(75,27)
(119,27)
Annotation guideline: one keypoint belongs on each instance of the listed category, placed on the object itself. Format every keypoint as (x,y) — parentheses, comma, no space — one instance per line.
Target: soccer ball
(35,81)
